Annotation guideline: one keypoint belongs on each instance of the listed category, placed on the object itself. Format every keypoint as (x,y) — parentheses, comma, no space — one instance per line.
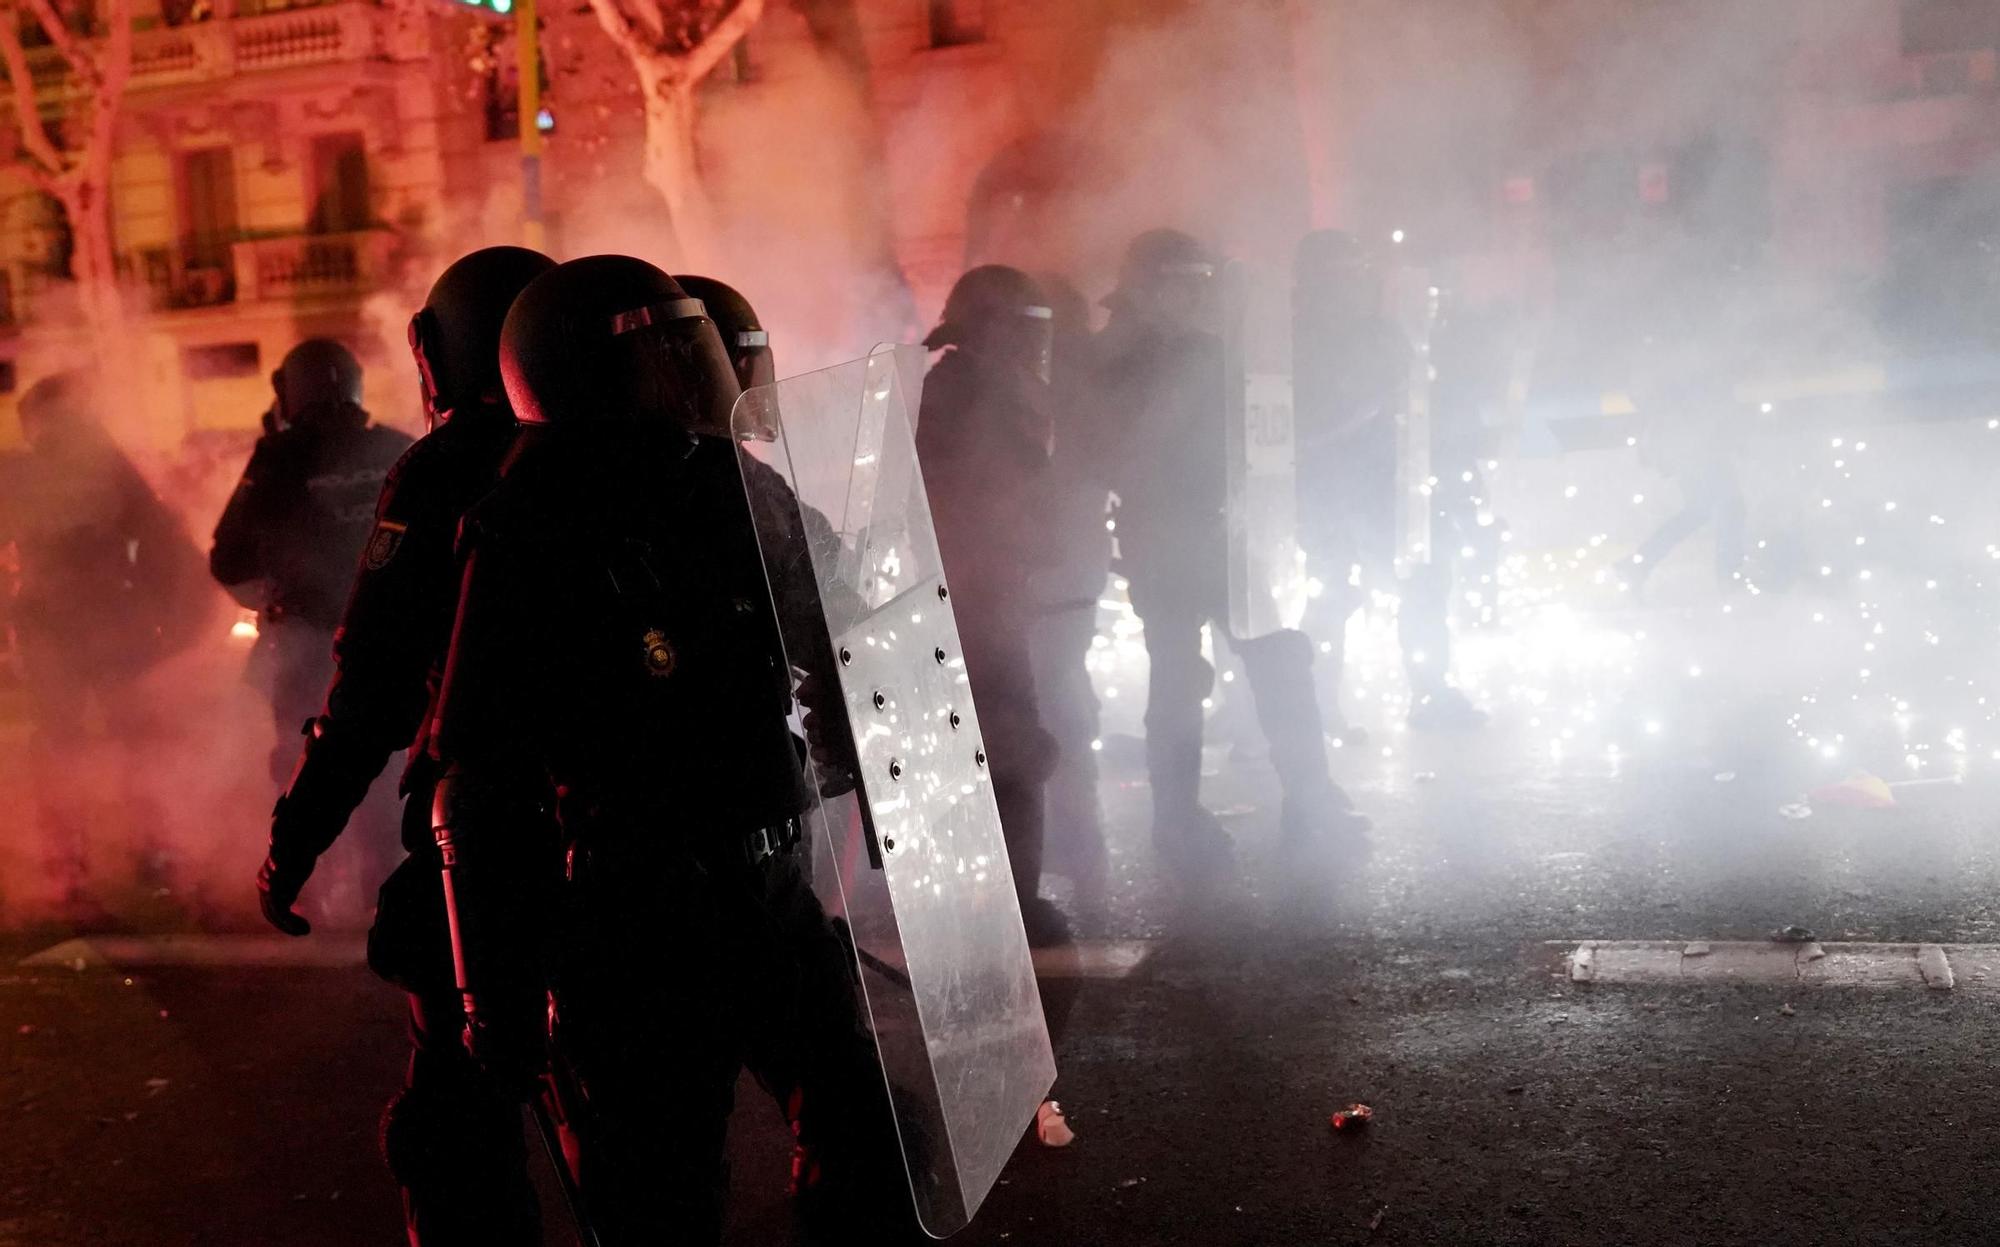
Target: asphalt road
(238,1106)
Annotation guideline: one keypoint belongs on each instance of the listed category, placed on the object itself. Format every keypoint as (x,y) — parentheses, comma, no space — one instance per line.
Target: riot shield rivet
(895,769)
(879,700)
(888,844)
(955,720)
(938,654)
(979,757)
(943,593)
(845,656)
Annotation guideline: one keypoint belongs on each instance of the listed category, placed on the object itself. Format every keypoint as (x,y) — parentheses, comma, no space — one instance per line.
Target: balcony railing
(226,47)
(312,266)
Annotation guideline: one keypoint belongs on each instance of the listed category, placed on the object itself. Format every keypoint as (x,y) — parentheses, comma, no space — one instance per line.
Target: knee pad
(433,1136)
(412,1138)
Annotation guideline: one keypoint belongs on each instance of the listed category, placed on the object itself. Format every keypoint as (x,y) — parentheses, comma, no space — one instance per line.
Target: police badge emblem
(383,545)
(660,658)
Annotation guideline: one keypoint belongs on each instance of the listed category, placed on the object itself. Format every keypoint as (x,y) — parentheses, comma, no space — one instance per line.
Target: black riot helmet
(743,334)
(609,340)
(318,385)
(455,336)
(1170,279)
(58,409)
(998,314)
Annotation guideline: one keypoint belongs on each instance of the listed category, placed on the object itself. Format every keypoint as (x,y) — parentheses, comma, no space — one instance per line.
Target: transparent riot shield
(907,848)
(1267,581)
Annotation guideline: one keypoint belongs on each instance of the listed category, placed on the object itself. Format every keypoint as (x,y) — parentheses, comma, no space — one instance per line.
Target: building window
(208,206)
(1931,27)
(221,361)
(339,185)
(956,22)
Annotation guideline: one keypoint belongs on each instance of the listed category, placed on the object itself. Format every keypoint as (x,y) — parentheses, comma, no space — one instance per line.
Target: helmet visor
(683,370)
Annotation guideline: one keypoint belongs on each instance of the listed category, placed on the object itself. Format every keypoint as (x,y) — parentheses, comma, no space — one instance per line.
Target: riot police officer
(617,644)
(1352,369)
(292,532)
(983,439)
(1163,379)
(451,1140)
(110,584)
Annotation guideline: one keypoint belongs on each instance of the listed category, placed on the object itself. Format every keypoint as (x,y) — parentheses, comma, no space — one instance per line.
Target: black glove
(278,890)
(508,1042)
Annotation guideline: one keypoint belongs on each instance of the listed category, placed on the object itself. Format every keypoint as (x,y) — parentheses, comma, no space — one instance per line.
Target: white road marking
(125,951)
(1938,967)
(1092,959)
(1087,959)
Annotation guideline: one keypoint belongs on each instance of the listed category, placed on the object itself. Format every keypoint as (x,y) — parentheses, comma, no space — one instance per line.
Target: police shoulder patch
(660,657)
(383,545)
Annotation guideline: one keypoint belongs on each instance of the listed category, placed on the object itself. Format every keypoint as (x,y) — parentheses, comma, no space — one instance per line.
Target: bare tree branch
(113,73)
(717,43)
(75,51)
(619,26)
(45,159)
(650,16)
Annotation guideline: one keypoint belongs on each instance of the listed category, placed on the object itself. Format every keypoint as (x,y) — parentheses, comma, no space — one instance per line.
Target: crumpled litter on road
(1787,1010)
(1725,777)
(1353,1117)
(1051,1127)
(1795,810)
(1129,1183)
(1859,791)
(1375,1222)
(1793,934)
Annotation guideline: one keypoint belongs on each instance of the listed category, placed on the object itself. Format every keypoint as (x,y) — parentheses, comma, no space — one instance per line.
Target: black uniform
(109,585)
(290,538)
(616,640)
(616,645)
(452,1137)
(1164,390)
(983,440)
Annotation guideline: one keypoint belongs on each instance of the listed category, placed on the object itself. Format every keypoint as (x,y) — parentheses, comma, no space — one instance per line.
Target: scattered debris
(1051,1130)
(1787,1010)
(1375,1222)
(1795,810)
(1129,1183)
(1860,791)
(1699,948)
(155,1085)
(1582,965)
(1520,1090)
(1353,1117)
(1794,934)
(1935,967)
(1811,952)
(1725,777)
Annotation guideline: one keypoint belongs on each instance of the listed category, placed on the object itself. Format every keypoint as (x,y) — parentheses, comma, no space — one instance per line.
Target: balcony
(294,268)
(224,48)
